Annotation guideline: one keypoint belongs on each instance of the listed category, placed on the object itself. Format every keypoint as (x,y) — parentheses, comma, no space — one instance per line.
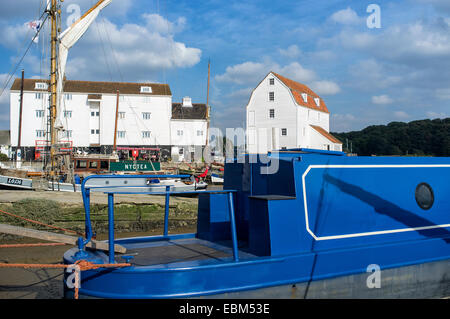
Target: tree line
(416,138)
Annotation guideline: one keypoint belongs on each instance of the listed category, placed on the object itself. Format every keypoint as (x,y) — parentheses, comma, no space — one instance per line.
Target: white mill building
(284,114)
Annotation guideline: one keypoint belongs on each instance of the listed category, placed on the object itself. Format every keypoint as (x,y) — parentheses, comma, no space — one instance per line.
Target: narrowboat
(296,223)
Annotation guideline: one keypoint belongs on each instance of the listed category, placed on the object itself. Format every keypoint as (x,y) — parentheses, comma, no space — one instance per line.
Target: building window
(272,81)
(40,86)
(272,113)
(180,132)
(38,96)
(121,134)
(305,97)
(145,134)
(39,113)
(68,97)
(317,100)
(93,113)
(146,115)
(200,133)
(121,115)
(93,164)
(284,131)
(40,133)
(68,134)
(81,164)
(68,114)
(97,131)
(271,96)
(146,89)
(181,151)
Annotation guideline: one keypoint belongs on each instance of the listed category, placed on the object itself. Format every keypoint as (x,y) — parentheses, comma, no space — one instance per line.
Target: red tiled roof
(297,89)
(326,134)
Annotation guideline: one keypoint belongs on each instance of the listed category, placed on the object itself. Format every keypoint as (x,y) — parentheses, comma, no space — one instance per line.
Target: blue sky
(399,72)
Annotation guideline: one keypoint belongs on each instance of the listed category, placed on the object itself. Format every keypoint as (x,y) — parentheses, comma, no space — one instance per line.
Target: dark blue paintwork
(321,215)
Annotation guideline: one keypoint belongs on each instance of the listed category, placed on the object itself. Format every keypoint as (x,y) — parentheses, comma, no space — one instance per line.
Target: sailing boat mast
(54,14)
(207,106)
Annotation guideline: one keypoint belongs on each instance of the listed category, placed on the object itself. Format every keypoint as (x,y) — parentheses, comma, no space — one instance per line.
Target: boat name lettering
(14,181)
(135,166)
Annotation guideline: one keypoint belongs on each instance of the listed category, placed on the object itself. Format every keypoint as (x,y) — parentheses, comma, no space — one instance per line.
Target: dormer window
(40,86)
(317,100)
(146,89)
(305,97)
(187,101)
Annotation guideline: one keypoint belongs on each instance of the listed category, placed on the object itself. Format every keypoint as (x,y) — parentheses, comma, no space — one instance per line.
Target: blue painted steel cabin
(318,215)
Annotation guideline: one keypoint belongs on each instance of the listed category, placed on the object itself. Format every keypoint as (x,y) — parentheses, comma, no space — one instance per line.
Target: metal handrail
(86,194)
(85,191)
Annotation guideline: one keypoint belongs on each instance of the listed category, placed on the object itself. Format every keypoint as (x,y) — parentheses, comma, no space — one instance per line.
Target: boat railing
(110,191)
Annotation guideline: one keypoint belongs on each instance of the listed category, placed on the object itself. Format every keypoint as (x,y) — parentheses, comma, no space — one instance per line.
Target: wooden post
(59,238)
(115,126)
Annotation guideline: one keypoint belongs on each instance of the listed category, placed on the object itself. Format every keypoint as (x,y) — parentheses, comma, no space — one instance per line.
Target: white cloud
(346,16)
(139,50)
(325,87)
(244,73)
(253,72)
(157,23)
(291,52)
(401,115)
(381,99)
(436,115)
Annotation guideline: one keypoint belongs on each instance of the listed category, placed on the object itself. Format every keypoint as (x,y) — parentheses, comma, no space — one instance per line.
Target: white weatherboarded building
(284,114)
(145,118)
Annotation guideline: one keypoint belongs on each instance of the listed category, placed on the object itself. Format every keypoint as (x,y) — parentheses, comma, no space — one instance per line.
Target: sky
(369,69)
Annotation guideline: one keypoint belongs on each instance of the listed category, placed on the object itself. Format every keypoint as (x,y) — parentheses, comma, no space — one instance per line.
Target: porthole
(424,196)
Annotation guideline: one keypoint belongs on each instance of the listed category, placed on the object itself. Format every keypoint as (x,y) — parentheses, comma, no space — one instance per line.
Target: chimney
(187,101)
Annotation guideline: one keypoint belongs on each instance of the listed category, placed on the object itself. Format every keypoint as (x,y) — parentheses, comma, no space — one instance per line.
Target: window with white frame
(284,131)
(40,86)
(272,81)
(67,114)
(146,89)
(67,134)
(145,134)
(272,113)
(40,133)
(180,132)
(39,113)
(39,96)
(271,96)
(199,133)
(68,97)
(146,115)
(121,134)
(121,115)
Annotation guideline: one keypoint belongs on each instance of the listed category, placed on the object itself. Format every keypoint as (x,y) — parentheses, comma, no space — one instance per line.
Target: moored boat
(300,223)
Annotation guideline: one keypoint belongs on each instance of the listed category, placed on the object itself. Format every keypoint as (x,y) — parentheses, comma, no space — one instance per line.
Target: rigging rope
(11,74)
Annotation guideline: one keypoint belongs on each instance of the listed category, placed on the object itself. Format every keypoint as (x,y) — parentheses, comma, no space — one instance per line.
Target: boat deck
(166,252)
